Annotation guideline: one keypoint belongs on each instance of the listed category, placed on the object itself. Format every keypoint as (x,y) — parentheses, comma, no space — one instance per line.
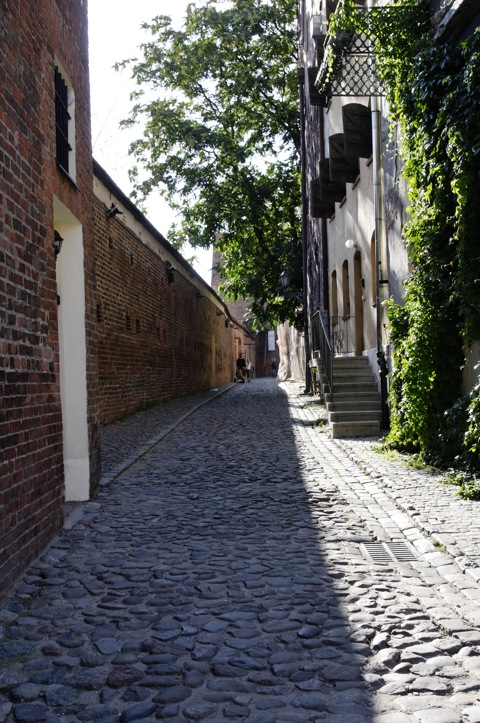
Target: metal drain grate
(382,553)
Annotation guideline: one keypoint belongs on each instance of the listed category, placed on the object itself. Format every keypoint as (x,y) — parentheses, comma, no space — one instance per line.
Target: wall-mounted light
(113,211)
(350,244)
(170,269)
(57,243)
(285,279)
(219,312)
(199,295)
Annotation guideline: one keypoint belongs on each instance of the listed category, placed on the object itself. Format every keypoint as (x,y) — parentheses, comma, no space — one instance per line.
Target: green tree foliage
(219,104)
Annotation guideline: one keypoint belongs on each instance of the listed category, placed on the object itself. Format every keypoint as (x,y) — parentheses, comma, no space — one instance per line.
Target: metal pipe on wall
(304,235)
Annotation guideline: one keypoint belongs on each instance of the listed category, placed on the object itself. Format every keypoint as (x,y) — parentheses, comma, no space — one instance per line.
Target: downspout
(325,296)
(301,86)
(378,215)
(380,243)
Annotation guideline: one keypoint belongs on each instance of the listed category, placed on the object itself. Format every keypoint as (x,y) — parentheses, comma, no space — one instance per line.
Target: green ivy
(433,91)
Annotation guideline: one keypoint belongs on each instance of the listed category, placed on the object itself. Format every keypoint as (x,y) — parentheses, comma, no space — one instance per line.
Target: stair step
(352,379)
(354,387)
(361,397)
(354,409)
(355,429)
(355,415)
(352,404)
(350,361)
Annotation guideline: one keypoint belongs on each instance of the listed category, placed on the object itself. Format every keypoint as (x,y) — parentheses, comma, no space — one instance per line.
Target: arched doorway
(73,354)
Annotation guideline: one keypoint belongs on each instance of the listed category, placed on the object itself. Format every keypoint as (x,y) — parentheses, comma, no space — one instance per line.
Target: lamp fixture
(285,279)
(199,295)
(113,211)
(219,312)
(350,244)
(57,243)
(170,269)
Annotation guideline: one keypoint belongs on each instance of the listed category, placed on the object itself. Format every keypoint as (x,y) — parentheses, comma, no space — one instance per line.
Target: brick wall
(31,456)
(158,339)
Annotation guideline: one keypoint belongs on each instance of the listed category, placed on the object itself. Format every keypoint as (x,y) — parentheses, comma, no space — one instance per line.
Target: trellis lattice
(349,66)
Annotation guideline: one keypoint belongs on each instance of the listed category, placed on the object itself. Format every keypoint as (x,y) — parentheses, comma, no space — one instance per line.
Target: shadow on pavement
(196,587)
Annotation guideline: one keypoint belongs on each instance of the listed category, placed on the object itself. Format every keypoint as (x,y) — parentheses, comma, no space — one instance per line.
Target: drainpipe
(306,333)
(380,244)
(378,208)
(323,231)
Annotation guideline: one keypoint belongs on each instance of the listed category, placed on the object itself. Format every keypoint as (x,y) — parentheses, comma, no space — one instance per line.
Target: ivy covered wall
(433,91)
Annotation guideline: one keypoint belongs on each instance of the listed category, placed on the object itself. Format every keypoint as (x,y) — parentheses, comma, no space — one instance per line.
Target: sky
(114,35)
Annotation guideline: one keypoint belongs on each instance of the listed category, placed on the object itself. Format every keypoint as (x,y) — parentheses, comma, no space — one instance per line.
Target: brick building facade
(99,315)
(162,331)
(45,187)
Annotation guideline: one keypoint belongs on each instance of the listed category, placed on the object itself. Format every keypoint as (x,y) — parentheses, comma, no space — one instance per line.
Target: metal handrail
(321,344)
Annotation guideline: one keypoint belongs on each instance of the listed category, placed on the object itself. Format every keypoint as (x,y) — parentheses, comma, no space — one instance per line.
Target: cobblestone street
(239,564)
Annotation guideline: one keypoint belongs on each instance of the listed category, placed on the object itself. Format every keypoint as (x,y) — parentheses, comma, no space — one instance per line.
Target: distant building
(260,346)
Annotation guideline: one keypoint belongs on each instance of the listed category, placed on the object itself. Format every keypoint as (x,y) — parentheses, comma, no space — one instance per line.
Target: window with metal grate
(62,118)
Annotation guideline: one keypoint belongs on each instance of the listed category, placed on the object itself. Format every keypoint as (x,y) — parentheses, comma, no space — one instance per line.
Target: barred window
(62,118)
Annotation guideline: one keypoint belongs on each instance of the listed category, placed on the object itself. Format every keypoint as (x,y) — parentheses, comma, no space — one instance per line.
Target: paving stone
(438,715)
(30,712)
(202,586)
(471,713)
(138,712)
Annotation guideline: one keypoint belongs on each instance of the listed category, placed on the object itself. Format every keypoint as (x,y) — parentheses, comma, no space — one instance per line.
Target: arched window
(373,259)
(345,290)
(334,298)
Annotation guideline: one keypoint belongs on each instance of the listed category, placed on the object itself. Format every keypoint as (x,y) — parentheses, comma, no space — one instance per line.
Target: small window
(64,123)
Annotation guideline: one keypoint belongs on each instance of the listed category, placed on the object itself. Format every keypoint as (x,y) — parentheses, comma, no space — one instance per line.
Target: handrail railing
(321,344)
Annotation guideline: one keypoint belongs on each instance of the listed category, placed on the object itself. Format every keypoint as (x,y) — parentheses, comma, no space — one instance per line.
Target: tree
(219,102)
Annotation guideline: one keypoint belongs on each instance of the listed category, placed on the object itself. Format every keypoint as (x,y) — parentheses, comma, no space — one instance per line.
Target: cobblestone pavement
(256,572)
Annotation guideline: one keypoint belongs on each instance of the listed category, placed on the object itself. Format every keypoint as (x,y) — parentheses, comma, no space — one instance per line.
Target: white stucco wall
(292,353)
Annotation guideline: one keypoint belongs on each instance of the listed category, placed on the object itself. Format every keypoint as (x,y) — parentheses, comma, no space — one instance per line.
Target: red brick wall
(157,340)
(31,457)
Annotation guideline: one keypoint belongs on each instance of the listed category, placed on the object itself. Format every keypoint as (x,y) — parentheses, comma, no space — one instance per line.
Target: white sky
(114,35)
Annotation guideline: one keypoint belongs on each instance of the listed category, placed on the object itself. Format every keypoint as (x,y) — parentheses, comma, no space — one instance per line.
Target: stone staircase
(354,409)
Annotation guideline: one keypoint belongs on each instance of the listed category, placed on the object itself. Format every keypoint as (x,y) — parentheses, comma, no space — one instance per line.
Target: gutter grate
(401,551)
(383,553)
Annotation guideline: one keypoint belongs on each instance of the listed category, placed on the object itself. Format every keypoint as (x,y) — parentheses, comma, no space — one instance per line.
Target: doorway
(72,354)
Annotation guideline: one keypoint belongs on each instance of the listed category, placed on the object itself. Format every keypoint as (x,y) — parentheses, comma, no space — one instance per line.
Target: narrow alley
(239,564)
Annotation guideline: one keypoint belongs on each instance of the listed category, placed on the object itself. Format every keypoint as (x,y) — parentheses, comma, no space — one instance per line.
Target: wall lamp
(219,313)
(350,244)
(113,211)
(170,269)
(285,279)
(57,243)
(199,295)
